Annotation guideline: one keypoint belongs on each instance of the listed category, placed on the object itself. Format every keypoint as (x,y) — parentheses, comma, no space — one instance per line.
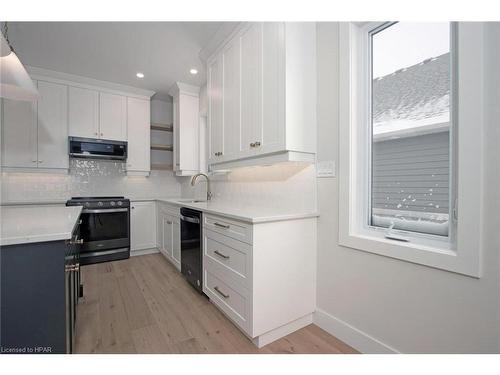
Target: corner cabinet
(169,233)
(142,226)
(186,100)
(35,134)
(262,95)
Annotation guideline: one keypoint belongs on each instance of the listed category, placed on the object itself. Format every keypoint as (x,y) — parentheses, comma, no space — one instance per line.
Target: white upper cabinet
(19,134)
(138,124)
(112,117)
(186,129)
(251,87)
(83,114)
(267,104)
(215,109)
(35,134)
(53,126)
(231,131)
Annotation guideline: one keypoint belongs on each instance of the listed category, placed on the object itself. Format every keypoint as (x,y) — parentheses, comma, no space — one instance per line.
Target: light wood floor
(143,305)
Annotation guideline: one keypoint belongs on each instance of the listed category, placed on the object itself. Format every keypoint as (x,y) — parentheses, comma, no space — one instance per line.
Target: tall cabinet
(186,129)
(262,95)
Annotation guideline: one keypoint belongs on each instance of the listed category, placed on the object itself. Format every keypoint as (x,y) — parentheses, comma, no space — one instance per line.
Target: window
(411,93)
(410,135)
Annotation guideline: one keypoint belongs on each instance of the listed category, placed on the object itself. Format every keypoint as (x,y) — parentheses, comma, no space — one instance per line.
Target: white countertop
(31,223)
(251,214)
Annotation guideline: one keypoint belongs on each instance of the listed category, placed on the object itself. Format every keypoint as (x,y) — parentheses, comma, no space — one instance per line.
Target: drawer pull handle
(221,225)
(216,288)
(221,255)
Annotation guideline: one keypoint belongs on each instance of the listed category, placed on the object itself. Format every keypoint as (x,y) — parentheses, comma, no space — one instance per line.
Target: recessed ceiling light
(140,75)
(193,71)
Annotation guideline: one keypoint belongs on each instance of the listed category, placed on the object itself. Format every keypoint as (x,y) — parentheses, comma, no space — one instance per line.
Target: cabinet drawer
(230,259)
(228,227)
(234,303)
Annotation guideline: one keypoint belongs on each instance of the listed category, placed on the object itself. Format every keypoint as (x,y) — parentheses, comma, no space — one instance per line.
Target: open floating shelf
(162,127)
(162,167)
(162,147)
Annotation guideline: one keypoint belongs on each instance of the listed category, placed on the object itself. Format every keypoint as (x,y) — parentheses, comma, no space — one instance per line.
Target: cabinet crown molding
(184,88)
(86,82)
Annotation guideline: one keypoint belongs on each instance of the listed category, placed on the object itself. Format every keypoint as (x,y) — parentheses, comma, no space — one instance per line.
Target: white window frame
(461,251)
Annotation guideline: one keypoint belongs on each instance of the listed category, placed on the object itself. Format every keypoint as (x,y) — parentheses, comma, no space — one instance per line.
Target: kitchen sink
(191,201)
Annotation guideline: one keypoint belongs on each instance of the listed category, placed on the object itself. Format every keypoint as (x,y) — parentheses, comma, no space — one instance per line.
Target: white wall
(379,304)
(161,111)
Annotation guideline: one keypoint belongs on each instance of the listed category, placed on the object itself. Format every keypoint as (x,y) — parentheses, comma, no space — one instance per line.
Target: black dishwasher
(191,247)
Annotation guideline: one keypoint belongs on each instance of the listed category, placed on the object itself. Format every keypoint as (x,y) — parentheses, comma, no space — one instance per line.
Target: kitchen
(197,198)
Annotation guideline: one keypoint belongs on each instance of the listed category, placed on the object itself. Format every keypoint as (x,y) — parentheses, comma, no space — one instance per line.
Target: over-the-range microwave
(90,148)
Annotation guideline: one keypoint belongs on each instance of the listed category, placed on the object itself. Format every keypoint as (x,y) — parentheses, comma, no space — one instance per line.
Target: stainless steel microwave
(90,148)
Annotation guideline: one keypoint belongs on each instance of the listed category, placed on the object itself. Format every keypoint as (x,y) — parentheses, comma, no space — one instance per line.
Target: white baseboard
(144,252)
(277,333)
(352,336)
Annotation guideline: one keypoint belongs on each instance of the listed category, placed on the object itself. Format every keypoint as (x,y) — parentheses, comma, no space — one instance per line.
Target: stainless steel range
(105,228)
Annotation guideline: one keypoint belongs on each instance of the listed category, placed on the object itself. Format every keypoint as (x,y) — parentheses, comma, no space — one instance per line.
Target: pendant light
(15,83)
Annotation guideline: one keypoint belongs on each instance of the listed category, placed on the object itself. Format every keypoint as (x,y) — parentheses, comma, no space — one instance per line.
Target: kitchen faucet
(193,181)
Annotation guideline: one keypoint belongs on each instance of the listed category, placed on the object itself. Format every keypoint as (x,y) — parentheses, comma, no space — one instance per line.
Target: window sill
(434,253)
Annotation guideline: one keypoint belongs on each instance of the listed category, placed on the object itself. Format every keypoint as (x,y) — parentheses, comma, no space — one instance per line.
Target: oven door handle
(104,211)
(190,219)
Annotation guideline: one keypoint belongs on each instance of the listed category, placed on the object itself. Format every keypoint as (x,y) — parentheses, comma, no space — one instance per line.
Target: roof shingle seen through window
(420,91)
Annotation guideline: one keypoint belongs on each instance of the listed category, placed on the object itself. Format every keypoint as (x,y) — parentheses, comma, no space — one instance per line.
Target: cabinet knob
(257,144)
(252,144)
(40,161)
(102,134)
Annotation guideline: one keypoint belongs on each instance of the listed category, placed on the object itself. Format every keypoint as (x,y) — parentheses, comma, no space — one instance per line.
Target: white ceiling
(116,51)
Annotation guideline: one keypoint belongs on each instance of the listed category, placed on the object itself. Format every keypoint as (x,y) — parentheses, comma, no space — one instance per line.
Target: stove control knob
(120,203)
(87,204)
(100,204)
(112,203)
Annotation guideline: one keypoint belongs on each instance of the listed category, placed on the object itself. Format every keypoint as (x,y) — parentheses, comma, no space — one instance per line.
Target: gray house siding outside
(412,174)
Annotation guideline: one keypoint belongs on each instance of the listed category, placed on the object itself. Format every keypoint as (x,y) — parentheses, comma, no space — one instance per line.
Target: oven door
(104,229)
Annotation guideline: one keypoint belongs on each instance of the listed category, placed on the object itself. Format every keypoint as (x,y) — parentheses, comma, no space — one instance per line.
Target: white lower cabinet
(142,225)
(262,276)
(169,233)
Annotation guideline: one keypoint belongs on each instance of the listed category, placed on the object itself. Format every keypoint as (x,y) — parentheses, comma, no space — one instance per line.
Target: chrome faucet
(193,181)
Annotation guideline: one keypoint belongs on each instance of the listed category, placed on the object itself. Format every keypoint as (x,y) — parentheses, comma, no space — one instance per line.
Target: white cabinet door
(272,134)
(19,134)
(231,100)
(215,95)
(168,235)
(142,225)
(176,242)
(138,124)
(83,112)
(112,117)
(251,87)
(53,125)
(177,134)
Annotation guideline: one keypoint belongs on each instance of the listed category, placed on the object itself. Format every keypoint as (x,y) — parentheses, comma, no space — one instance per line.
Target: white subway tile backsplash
(87,178)
(283,186)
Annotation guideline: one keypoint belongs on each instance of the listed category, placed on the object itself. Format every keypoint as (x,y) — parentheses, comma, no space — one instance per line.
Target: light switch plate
(325,168)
